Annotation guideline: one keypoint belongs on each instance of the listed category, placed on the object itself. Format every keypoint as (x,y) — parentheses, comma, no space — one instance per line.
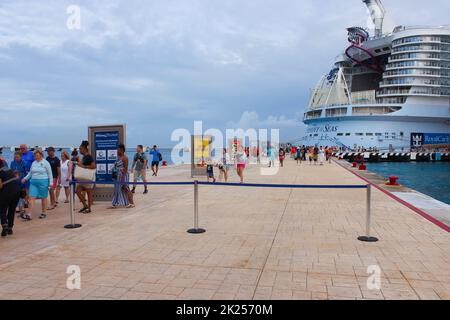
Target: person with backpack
(156,159)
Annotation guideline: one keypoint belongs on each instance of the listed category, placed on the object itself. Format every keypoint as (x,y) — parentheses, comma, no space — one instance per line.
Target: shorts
(140,174)
(155,163)
(54,183)
(241,166)
(210,174)
(39,188)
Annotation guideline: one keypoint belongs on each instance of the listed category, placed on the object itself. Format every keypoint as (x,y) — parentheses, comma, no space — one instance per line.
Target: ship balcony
(404,82)
(414,91)
(374,110)
(419,50)
(315,114)
(396,44)
(388,75)
(398,59)
(416,66)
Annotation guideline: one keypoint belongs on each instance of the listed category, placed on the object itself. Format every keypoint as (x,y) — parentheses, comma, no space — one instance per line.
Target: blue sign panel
(106,144)
(429,139)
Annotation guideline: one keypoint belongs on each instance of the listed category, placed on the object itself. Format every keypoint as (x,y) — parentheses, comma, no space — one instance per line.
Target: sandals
(86,211)
(131,205)
(42,216)
(66,201)
(83,210)
(26,217)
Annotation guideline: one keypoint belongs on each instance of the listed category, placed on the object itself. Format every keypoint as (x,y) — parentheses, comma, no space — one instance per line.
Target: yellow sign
(201,150)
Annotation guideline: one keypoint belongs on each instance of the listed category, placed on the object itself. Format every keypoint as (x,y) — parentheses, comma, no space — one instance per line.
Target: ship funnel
(377,13)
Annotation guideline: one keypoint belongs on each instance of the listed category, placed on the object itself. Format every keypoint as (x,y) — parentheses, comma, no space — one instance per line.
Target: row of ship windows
(438,64)
(429,72)
(402,56)
(393,100)
(367,134)
(427,91)
(437,47)
(417,81)
(445,39)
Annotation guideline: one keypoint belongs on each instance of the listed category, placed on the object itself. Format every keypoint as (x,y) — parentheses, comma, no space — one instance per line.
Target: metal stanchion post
(196,229)
(72,224)
(367,237)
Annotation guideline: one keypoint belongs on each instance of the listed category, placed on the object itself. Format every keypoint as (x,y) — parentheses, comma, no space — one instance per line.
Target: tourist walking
(321,156)
(40,178)
(9,197)
(66,176)
(55,164)
(241,160)
(28,158)
(122,196)
(156,159)
(210,172)
(281,156)
(86,162)
(315,154)
(19,167)
(139,167)
(224,166)
(298,155)
(271,156)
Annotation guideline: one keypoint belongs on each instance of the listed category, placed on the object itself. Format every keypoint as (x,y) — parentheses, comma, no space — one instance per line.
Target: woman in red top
(281,156)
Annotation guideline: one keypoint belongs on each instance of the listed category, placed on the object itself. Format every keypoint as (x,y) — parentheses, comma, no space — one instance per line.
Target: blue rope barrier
(250,185)
(285,186)
(175,183)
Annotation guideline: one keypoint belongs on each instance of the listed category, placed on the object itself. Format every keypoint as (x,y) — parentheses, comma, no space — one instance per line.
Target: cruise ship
(389,90)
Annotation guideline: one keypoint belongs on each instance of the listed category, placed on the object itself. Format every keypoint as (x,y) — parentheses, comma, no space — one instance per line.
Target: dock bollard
(196,229)
(367,237)
(72,224)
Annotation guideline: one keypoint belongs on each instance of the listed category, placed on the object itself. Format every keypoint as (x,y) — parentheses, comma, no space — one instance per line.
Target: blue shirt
(20,167)
(28,158)
(155,153)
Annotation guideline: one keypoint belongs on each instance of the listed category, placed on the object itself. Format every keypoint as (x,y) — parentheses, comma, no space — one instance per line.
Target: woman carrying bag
(85,171)
(122,196)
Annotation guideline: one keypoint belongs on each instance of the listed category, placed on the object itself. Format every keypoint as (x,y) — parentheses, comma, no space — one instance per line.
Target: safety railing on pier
(197,230)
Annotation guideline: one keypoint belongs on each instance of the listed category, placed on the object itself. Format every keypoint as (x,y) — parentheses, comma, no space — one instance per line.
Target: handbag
(114,173)
(83,174)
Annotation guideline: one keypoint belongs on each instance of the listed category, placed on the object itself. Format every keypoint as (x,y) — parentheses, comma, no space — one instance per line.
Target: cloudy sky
(160,65)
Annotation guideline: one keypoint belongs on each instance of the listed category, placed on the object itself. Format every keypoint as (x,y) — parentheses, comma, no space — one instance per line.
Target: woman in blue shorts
(40,176)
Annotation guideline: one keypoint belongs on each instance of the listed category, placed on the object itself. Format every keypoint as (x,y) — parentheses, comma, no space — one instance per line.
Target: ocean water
(430,178)
(8,155)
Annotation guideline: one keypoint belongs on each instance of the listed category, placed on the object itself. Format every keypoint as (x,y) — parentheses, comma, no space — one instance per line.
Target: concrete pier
(259,244)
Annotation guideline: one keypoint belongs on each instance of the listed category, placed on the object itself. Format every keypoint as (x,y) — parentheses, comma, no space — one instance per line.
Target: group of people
(315,154)
(31,176)
(224,164)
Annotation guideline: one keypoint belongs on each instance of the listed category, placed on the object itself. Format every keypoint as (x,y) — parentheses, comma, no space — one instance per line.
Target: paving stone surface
(259,244)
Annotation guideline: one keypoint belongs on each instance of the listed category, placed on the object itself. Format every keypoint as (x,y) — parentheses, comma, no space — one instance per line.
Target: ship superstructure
(384,88)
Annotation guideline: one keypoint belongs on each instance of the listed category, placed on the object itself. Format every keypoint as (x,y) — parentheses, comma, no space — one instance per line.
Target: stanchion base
(73,226)
(196,230)
(367,239)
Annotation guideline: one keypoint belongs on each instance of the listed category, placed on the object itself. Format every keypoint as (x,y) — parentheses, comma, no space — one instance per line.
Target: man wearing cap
(55,164)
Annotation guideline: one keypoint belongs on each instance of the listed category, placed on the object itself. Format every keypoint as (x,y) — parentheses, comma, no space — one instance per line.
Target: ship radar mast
(377,13)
